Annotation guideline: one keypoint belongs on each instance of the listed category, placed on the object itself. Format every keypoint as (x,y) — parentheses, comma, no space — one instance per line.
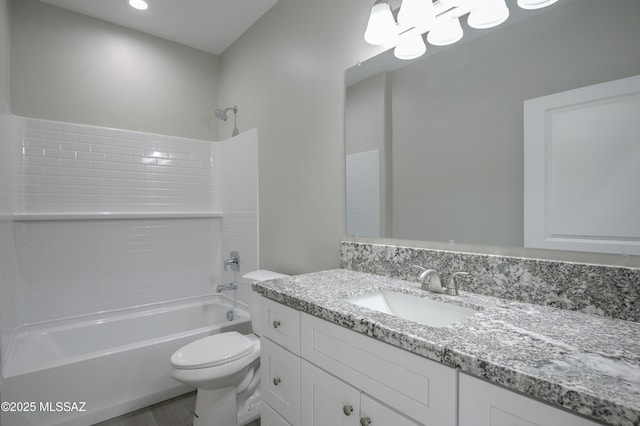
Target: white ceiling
(209,25)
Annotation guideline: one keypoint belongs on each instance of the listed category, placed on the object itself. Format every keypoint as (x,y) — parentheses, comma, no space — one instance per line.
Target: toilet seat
(212,351)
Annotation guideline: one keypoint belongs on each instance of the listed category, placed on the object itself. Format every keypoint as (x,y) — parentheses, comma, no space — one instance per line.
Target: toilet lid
(212,350)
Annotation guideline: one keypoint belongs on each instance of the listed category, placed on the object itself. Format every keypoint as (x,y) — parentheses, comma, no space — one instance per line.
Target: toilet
(224,367)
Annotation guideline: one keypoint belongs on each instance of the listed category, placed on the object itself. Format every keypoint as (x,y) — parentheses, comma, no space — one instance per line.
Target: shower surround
(94,219)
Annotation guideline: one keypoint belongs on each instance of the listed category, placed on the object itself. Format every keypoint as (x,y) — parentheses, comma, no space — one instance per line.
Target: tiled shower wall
(9,136)
(68,167)
(71,265)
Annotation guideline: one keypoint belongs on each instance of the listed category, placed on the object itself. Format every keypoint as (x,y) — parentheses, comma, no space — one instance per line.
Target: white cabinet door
(379,414)
(280,380)
(484,404)
(327,401)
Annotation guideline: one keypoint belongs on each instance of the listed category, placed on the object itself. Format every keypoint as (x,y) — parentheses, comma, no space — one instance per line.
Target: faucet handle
(424,272)
(452,285)
(233,261)
(419,267)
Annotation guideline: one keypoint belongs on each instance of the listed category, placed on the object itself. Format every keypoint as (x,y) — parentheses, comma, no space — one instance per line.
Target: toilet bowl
(225,367)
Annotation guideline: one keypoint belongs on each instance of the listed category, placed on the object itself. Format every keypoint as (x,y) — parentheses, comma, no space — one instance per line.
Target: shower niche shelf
(46,216)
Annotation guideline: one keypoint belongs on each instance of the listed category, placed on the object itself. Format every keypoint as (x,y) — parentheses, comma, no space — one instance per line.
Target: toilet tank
(253,298)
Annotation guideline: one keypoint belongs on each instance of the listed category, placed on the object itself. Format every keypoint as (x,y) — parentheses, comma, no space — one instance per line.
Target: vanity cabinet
(312,371)
(316,373)
(484,404)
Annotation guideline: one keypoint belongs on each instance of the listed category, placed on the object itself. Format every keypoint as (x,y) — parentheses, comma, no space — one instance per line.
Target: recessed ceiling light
(138,4)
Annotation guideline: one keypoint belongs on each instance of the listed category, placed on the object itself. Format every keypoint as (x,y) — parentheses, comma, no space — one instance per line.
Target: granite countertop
(585,363)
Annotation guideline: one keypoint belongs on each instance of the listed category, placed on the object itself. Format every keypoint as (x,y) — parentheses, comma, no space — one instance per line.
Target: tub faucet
(431,281)
(224,287)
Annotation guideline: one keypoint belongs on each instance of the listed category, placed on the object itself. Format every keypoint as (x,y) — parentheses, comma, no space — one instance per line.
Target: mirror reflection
(435,146)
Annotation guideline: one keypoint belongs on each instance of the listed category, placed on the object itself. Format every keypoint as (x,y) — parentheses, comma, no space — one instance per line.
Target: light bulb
(381,28)
(535,4)
(410,47)
(445,31)
(489,15)
(138,4)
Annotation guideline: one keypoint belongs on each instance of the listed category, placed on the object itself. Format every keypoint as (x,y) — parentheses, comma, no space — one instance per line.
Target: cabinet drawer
(280,380)
(484,404)
(268,417)
(281,324)
(421,389)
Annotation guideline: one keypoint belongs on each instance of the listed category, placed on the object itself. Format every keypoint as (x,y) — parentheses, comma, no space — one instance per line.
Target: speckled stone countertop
(585,363)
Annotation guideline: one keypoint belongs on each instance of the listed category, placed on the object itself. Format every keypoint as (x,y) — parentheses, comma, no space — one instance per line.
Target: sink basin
(413,308)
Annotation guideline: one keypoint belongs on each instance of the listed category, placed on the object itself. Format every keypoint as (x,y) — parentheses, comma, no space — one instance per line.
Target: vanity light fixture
(439,19)
(417,13)
(138,4)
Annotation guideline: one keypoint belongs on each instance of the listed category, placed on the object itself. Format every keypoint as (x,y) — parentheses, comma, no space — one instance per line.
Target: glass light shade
(445,31)
(138,4)
(535,4)
(382,28)
(489,15)
(417,13)
(410,47)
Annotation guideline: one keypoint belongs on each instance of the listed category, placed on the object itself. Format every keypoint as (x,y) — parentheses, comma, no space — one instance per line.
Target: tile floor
(174,412)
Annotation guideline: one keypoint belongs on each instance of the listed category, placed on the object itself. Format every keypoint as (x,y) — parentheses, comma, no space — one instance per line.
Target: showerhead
(222,114)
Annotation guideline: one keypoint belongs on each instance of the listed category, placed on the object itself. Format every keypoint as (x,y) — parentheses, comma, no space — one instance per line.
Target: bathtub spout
(225,287)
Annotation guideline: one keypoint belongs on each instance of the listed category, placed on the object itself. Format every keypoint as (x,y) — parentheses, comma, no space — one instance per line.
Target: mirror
(443,135)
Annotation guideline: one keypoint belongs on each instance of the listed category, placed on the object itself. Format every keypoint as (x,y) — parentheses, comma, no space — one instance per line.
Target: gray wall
(70,67)
(287,75)
(5,60)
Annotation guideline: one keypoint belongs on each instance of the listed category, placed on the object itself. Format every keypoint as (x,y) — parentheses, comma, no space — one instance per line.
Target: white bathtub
(82,370)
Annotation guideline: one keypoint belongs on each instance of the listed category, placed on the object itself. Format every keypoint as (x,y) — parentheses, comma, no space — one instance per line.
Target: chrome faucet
(431,281)
(452,284)
(224,287)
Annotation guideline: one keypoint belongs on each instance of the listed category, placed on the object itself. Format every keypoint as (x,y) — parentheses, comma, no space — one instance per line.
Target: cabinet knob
(276,381)
(364,421)
(347,410)
(276,324)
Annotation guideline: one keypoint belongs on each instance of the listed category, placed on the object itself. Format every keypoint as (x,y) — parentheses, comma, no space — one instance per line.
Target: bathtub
(86,369)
